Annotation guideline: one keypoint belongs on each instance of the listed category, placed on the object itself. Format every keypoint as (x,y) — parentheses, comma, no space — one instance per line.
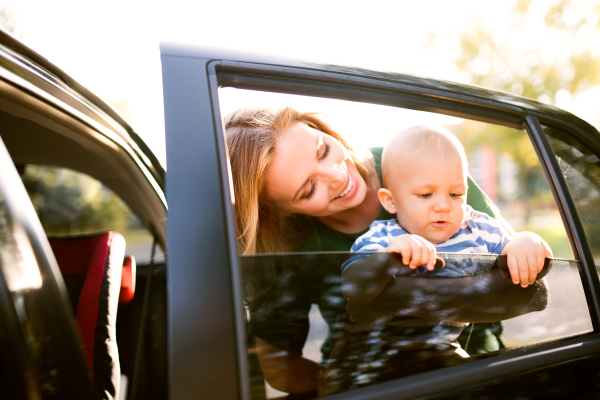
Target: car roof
(22,57)
(49,118)
(471,95)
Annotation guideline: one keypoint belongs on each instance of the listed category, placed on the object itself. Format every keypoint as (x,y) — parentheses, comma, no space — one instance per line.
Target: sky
(112,47)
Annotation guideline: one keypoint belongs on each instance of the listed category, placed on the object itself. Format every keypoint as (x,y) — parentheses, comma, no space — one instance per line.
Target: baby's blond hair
(420,140)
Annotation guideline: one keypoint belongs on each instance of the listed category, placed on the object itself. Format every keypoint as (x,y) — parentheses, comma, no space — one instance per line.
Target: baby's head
(425,181)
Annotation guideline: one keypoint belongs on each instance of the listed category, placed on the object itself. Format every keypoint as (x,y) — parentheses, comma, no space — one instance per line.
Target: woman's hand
(525,255)
(414,250)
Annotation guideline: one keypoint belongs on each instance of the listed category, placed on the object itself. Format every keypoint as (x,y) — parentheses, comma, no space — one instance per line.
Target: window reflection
(357,349)
(581,168)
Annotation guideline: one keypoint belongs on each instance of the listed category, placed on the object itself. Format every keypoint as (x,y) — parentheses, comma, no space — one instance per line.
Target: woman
(299,186)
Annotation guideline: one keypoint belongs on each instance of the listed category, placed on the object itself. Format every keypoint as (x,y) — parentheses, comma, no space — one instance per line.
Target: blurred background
(547,50)
(544,49)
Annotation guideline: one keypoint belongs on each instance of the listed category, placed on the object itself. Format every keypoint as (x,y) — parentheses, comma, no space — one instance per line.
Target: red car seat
(92,268)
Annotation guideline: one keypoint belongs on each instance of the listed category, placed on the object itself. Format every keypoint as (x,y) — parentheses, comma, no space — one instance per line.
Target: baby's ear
(386,200)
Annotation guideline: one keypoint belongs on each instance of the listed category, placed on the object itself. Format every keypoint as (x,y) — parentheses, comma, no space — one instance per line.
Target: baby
(425,180)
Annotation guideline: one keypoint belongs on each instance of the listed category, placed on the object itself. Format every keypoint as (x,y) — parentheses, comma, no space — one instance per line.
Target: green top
(324,238)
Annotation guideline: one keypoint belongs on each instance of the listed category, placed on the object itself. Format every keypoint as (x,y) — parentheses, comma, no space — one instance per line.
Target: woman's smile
(349,191)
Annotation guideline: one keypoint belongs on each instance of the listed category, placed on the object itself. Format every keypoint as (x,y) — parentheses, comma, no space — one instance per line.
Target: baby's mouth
(439,224)
(348,188)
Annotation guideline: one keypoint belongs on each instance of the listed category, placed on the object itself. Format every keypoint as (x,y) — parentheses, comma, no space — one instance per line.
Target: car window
(70,203)
(41,353)
(304,337)
(580,166)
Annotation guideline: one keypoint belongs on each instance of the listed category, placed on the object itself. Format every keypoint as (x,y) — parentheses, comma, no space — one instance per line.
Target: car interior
(97,205)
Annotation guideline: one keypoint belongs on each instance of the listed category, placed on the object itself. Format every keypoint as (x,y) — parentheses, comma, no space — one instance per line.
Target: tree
(546,51)
(7,20)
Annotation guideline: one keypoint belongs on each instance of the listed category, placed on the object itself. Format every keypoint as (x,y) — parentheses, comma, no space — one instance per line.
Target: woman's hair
(252,132)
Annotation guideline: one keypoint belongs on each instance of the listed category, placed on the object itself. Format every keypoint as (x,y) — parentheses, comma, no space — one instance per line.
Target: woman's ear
(387,200)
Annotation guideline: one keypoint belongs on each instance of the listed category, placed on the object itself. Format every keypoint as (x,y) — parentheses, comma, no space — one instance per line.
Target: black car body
(188,329)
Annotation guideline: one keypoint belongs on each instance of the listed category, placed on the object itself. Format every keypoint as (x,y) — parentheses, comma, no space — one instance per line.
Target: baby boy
(425,180)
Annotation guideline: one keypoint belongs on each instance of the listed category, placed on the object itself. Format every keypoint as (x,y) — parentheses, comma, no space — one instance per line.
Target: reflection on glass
(21,274)
(580,166)
(418,323)
(18,262)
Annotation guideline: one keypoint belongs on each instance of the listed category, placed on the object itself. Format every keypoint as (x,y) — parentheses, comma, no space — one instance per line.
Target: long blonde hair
(252,133)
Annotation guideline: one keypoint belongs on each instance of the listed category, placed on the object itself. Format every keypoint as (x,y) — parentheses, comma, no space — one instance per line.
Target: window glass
(37,356)
(70,203)
(581,168)
(306,337)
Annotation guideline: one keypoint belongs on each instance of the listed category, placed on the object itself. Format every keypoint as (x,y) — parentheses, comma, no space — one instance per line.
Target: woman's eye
(310,193)
(325,153)
(425,195)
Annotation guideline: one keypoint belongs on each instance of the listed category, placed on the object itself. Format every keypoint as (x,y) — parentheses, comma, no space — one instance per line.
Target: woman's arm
(363,280)
(288,371)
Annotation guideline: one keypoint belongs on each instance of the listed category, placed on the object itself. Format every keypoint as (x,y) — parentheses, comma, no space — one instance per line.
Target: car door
(41,349)
(210,349)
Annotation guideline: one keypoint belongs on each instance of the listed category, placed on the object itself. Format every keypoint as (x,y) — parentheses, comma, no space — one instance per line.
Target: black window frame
(206,319)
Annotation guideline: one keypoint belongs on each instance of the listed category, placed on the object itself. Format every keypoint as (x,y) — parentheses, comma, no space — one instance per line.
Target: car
(190,330)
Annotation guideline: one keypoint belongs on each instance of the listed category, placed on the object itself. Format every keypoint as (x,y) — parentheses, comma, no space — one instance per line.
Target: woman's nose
(336,172)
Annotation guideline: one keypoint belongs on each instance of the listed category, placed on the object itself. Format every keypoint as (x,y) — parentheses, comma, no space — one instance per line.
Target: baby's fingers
(417,253)
(513,268)
(523,268)
(533,263)
(405,251)
(432,257)
(424,253)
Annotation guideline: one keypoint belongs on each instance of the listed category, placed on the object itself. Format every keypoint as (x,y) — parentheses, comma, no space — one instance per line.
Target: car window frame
(51,296)
(197,159)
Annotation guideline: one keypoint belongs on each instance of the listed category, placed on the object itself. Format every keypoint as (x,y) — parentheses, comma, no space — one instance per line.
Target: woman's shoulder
(376,152)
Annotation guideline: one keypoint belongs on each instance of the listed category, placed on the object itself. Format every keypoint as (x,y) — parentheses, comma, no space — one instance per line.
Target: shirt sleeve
(504,236)
(367,243)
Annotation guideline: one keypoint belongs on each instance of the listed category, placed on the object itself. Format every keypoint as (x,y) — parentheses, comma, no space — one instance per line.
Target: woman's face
(312,173)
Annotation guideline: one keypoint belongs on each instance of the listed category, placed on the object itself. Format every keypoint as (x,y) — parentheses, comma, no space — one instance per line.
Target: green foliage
(544,50)
(71,203)
(7,20)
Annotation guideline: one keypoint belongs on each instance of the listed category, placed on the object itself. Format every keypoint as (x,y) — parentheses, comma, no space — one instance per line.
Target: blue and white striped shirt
(479,234)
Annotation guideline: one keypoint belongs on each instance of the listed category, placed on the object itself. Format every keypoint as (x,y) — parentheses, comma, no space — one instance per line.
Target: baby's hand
(415,251)
(525,257)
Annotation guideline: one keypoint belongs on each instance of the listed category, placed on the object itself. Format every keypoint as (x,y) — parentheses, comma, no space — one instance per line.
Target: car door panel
(197,162)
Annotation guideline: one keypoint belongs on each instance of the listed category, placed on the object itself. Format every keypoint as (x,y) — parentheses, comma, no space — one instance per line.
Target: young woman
(299,186)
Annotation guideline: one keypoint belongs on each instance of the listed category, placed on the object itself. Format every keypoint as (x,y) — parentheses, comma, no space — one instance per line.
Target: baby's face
(430,196)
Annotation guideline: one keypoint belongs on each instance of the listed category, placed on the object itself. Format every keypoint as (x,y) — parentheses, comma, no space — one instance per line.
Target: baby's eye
(424,195)
(455,195)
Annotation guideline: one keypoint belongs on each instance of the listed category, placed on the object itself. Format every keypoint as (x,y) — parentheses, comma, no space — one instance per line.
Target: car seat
(94,272)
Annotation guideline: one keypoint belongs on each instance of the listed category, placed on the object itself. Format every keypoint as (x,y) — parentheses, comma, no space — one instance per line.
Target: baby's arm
(525,254)
(363,280)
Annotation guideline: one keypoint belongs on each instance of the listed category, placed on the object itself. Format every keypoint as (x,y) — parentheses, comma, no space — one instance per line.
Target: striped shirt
(478,234)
